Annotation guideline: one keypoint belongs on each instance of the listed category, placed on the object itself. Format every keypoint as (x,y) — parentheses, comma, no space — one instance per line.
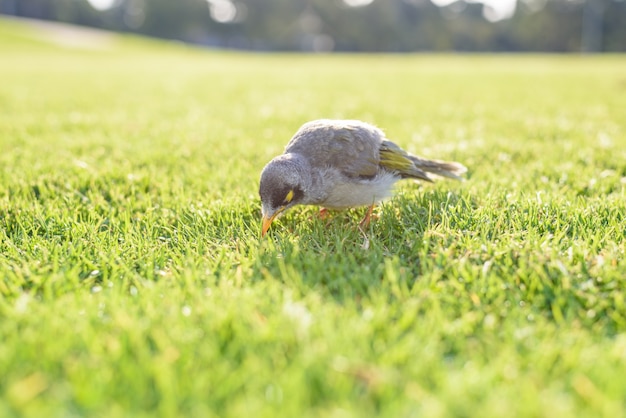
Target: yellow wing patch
(395,160)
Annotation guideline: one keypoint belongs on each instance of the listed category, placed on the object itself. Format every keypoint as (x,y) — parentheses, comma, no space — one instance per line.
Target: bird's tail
(394,158)
(450,169)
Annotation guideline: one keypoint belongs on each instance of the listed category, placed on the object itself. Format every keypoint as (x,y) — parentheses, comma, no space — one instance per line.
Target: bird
(340,164)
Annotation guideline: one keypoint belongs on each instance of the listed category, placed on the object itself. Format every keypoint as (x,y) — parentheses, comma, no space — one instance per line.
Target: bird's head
(284,181)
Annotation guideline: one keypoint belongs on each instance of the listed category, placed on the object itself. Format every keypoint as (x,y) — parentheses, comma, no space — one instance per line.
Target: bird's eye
(289,197)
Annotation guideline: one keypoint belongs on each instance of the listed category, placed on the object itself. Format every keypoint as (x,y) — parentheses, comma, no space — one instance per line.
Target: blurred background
(353,25)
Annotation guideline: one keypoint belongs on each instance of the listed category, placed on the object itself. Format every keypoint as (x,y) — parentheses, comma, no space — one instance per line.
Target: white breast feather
(361,193)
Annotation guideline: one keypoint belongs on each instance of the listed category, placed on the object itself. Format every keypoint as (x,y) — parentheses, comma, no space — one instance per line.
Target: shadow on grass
(336,256)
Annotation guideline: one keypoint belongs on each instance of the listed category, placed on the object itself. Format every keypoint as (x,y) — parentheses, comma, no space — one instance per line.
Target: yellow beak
(267,220)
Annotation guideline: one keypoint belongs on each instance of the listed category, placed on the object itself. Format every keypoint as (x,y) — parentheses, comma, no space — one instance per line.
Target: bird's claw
(368,217)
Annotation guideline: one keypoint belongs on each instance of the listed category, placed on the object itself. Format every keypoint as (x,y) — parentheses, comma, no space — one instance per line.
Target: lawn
(134,281)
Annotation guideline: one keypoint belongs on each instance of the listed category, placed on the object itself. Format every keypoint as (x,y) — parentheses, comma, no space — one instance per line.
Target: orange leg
(324,213)
(368,216)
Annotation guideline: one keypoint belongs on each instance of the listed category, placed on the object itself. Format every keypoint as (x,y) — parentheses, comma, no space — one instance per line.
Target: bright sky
(494,9)
(102,4)
(357,3)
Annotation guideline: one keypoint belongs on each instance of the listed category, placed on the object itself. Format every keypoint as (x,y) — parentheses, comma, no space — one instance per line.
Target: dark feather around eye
(277,197)
(298,194)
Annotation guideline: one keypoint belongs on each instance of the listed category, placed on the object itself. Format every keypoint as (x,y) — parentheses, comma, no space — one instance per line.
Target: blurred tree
(37,9)
(366,28)
(273,24)
(350,25)
(592,25)
(614,31)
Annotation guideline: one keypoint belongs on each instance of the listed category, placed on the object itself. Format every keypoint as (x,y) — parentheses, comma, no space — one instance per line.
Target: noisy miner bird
(339,164)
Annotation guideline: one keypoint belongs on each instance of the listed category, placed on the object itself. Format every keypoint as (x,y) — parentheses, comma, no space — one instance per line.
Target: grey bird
(339,164)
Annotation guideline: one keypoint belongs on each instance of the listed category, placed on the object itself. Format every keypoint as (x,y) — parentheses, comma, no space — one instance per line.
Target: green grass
(133,281)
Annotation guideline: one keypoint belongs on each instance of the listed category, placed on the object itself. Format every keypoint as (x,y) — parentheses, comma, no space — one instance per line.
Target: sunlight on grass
(134,281)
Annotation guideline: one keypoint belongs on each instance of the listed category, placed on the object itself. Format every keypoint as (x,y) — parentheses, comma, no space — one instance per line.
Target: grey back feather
(352,147)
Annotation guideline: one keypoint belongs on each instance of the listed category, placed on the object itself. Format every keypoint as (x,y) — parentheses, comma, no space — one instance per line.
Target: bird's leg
(324,213)
(368,215)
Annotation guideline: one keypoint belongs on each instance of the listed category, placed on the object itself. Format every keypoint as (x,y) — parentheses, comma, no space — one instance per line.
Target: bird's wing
(394,158)
(352,147)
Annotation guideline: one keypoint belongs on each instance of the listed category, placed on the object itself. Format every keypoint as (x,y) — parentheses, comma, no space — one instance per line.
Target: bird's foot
(324,213)
(368,217)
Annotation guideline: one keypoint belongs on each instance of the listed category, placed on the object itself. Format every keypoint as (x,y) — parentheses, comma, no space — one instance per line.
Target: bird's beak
(268,219)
